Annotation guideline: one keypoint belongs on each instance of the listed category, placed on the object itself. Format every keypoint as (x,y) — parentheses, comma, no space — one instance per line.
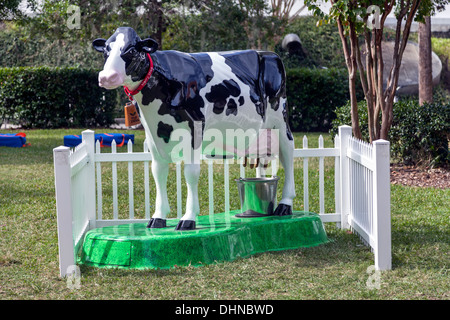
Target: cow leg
(191,174)
(160,171)
(287,161)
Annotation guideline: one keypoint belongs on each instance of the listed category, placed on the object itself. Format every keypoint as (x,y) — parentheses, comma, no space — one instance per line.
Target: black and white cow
(218,90)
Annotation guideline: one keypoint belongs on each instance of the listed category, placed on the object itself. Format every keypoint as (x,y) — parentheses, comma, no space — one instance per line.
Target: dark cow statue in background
(218,90)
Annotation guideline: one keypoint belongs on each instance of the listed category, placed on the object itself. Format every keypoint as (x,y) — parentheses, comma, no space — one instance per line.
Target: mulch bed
(420,177)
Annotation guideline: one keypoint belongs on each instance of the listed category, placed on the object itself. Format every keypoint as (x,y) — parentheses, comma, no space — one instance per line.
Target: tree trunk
(386,121)
(425,69)
(352,85)
(159,26)
(350,60)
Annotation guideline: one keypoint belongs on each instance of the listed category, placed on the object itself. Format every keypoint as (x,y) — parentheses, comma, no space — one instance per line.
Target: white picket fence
(361,190)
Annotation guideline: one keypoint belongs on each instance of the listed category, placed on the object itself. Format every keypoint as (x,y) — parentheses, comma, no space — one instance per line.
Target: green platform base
(221,238)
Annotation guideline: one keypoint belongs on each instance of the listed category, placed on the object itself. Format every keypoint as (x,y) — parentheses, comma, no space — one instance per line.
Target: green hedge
(314,94)
(44,97)
(419,134)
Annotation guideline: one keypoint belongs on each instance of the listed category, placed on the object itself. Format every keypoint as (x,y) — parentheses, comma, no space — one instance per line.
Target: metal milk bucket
(257,195)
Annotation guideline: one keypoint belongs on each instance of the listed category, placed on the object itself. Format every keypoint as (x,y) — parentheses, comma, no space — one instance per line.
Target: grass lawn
(337,270)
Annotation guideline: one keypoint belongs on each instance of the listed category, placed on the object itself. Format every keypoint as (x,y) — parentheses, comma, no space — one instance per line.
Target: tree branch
(400,48)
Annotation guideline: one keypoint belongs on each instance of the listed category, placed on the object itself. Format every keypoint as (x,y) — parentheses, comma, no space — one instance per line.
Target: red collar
(129,93)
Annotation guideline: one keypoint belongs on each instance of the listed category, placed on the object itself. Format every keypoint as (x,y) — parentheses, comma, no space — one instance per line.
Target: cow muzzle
(110,79)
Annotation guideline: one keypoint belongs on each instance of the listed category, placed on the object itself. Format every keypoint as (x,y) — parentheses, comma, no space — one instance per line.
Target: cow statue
(218,90)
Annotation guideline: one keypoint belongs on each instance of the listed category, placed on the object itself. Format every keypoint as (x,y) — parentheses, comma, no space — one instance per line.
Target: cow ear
(99,44)
(147,45)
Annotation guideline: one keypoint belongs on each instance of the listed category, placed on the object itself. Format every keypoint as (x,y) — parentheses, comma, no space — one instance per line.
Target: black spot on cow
(164,131)
(274,103)
(241,100)
(285,117)
(219,105)
(260,108)
(231,107)
(221,92)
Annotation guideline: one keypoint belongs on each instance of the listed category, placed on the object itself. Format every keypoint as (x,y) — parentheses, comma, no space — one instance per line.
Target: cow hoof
(185,225)
(283,210)
(157,223)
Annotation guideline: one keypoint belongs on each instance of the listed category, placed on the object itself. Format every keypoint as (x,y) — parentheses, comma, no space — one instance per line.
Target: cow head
(126,61)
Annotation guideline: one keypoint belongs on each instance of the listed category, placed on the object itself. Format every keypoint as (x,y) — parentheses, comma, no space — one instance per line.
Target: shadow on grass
(420,247)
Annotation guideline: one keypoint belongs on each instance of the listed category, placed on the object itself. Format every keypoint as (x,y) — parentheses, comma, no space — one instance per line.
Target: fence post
(88,137)
(344,133)
(382,205)
(63,192)
(305,177)
(337,180)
